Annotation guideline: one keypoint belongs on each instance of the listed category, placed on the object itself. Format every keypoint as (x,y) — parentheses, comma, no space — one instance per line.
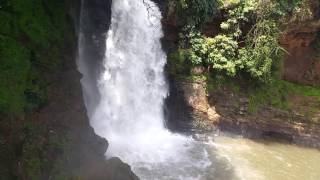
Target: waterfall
(132,88)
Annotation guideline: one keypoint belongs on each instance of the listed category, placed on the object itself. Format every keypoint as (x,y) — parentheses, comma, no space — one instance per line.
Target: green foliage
(262,50)
(36,21)
(199,48)
(178,63)
(276,93)
(32,35)
(221,52)
(243,11)
(248,47)
(14,67)
(197,11)
(218,52)
(284,7)
(238,50)
(273,94)
(303,90)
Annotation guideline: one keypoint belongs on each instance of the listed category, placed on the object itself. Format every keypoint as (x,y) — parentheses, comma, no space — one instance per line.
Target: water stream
(131,90)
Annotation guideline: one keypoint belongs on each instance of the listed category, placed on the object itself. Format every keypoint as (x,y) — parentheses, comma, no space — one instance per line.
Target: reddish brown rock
(301,64)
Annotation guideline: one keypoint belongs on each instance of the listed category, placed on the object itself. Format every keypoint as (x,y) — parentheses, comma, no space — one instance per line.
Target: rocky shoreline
(226,111)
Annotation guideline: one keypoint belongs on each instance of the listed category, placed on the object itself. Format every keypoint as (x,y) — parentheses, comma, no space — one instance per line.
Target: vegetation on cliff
(34,35)
(247,39)
(244,48)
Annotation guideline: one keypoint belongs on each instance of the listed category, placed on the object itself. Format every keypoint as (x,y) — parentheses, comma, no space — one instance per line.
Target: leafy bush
(217,52)
(261,50)
(284,7)
(242,13)
(221,54)
(238,50)
(198,48)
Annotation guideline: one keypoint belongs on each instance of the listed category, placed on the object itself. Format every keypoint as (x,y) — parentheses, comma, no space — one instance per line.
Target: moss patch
(273,94)
(14,72)
(32,36)
(278,94)
(35,36)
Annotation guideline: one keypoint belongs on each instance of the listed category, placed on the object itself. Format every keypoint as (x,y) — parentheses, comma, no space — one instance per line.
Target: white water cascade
(132,90)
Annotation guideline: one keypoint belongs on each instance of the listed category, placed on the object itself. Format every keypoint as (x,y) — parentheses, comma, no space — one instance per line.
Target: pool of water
(212,157)
(262,160)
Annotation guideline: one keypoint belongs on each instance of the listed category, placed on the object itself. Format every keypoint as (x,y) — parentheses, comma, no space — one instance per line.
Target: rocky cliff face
(192,104)
(55,141)
(66,139)
(301,40)
(84,157)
